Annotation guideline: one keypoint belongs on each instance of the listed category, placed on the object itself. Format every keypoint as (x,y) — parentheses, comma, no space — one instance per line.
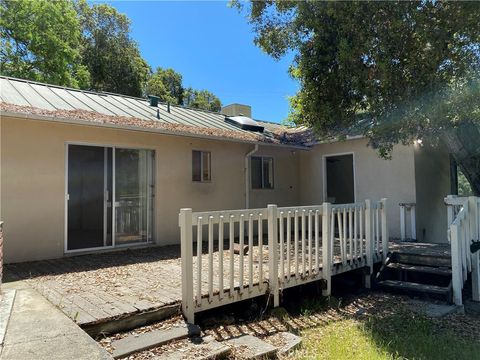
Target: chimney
(237,110)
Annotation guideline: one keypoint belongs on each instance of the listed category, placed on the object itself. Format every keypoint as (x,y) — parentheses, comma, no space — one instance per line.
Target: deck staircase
(418,269)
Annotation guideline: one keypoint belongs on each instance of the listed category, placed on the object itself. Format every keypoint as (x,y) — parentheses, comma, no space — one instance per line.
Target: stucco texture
(375,178)
(33,180)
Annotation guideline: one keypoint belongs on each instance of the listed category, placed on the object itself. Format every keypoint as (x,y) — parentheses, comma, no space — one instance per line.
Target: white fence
(234,255)
(464,228)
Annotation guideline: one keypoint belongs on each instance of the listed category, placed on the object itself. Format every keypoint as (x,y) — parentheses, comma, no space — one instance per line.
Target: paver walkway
(37,330)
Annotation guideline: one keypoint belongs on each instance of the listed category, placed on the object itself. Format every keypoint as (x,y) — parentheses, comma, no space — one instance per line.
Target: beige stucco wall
(432,177)
(33,180)
(375,178)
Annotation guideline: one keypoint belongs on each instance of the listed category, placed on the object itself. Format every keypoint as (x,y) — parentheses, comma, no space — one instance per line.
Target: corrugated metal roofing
(51,97)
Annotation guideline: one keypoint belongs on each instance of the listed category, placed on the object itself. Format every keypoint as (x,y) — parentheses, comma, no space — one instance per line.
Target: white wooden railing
(464,227)
(287,246)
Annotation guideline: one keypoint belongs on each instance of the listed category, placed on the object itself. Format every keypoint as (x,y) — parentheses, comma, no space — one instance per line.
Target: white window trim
(324,177)
(202,180)
(262,172)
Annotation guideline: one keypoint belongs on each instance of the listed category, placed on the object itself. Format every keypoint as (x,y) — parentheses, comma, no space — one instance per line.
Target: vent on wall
(245,123)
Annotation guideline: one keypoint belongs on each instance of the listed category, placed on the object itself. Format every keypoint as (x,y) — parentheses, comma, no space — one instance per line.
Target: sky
(211,45)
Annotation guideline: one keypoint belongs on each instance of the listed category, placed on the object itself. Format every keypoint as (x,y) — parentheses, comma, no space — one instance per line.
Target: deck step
(411,286)
(442,271)
(418,259)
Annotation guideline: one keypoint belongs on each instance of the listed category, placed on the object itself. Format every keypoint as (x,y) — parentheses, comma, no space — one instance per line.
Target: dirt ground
(309,314)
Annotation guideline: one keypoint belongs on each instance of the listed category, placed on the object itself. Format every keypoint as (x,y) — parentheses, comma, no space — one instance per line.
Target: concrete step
(136,343)
(415,287)
(206,348)
(442,271)
(250,347)
(286,343)
(419,259)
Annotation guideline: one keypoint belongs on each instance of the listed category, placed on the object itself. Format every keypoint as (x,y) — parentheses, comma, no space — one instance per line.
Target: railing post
(273,253)
(369,242)
(327,248)
(457,276)
(412,222)
(402,222)
(186,243)
(385,233)
(474,206)
(449,211)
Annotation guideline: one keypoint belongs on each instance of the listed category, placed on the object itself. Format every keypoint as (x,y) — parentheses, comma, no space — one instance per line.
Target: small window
(201,166)
(262,172)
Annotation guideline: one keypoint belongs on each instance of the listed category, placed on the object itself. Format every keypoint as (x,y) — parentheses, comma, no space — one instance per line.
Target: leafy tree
(111,56)
(167,85)
(40,41)
(201,99)
(400,70)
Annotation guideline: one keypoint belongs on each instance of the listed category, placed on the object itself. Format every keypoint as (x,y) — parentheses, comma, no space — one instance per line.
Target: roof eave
(74,121)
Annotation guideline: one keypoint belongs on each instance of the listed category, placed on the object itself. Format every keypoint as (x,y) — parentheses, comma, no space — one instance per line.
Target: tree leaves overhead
(201,99)
(87,46)
(111,56)
(167,85)
(40,40)
(411,69)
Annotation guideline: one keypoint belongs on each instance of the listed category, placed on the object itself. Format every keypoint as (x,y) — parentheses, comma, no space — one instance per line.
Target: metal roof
(51,97)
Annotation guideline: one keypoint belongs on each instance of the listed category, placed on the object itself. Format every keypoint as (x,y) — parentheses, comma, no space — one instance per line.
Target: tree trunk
(464,145)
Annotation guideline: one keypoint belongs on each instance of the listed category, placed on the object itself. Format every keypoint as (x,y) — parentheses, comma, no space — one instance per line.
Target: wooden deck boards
(99,287)
(96,288)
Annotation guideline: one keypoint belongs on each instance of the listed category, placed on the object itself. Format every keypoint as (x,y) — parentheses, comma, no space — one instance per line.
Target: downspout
(247,176)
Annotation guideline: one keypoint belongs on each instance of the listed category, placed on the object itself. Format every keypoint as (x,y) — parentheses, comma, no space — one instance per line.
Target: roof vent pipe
(158,113)
(153,100)
(168,106)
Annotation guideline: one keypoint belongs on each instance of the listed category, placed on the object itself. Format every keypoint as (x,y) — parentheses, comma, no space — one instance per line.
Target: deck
(100,288)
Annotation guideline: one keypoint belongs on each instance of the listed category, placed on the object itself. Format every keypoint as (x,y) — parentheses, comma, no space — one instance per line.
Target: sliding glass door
(109,196)
(133,195)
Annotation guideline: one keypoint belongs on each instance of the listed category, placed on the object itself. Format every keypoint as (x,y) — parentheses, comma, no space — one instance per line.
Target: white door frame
(324,161)
(152,215)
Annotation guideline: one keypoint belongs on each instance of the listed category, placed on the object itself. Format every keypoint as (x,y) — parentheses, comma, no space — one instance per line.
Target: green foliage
(399,335)
(464,188)
(407,69)
(167,85)
(40,40)
(74,43)
(201,99)
(111,56)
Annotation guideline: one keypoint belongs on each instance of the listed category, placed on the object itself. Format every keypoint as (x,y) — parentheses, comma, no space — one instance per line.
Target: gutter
(247,176)
(21,115)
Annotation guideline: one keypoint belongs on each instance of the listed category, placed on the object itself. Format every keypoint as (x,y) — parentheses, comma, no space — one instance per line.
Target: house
(84,171)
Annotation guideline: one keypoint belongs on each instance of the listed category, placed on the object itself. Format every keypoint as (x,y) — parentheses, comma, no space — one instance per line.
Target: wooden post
(186,243)
(449,210)
(327,248)
(402,222)
(369,242)
(412,222)
(474,206)
(273,253)
(457,277)
(385,232)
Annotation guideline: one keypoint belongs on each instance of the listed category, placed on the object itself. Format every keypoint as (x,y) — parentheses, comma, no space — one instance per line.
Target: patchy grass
(385,334)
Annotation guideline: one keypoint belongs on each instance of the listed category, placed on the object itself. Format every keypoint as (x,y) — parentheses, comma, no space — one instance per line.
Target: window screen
(262,172)
(201,166)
